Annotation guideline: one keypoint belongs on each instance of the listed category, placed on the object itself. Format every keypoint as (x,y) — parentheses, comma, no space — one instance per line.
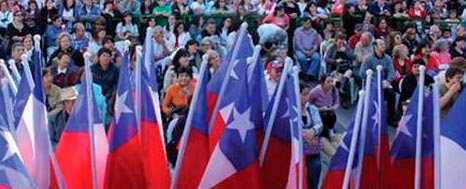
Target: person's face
(152,23)
(109,45)
(411,34)
(49,4)
(365,40)
(460,31)
(17,52)
(205,46)
(425,50)
(221,3)
(276,73)
(446,34)
(47,80)
(282,54)
(104,59)
(327,83)
(68,106)
(307,25)
(183,79)
(158,36)
(398,39)
(416,69)
(436,32)
(214,60)
(184,61)
(101,34)
(64,61)
(80,31)
(211,28)
(456,79)
(58,22)
(380,46)
(128,18)
(227,23)
(383,24)
(192,49)
(397,7)
(161,2)
(280,12)
(32,6)
(64,43)
(305,95)
(4,7)
(27,43)
(18,17)
(339,43)
(172,20)
(180,28)
(69,2)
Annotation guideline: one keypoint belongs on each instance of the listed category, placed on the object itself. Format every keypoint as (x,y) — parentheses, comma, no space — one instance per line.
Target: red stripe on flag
(194,161)
(245,178)
(276,164)
(154,158)
(401,174)
(125,168)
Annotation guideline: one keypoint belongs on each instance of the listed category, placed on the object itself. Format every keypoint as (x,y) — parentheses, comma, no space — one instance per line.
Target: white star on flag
(343,143)
(241,123)
(402,128)
(12,148)
(233,73)
(120,106)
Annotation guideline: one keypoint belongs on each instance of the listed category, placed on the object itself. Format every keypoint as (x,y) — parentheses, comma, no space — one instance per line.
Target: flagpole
(239,38)
(354,137)
(300,129)
(420,109)
(252,60)
(7,74)
(277,98)
(188,124)
(138,83)
(14,71)
(90,109)
(436,97)
(362,138)
(27,70)
(379,115)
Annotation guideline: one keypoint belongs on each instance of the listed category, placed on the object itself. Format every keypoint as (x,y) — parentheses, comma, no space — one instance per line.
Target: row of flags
(233,138)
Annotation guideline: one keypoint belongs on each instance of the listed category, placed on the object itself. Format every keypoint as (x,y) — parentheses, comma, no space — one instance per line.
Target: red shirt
(282,22)
(417,15)
(353,40)
(432,62)
(402,70)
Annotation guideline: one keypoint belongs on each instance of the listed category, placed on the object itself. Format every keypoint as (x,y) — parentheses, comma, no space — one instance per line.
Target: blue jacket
(90,15)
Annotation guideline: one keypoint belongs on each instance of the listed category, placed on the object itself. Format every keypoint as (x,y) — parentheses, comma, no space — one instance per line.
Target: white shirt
(5,19)
(67,13)
(271,86)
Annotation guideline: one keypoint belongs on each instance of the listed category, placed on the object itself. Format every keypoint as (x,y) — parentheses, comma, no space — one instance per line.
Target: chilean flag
(283,154)
(13,173)
(453,146)
(234,163)
(153,149)
(194,153)
(124,164)
(403,151)
(31,124)
(376,149)
(74,151)
(336,171)
(277,159)
(220,102)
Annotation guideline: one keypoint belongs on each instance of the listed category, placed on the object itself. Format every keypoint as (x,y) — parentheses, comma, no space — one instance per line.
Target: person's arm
(448,96)
(390,69)
(330,55)
(317,125)
(167,101)
(298,40)
(364,66)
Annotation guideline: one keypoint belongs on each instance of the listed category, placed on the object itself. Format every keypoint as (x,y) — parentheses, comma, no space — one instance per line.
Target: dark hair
(65,4)
(104,50)
(178,24)
(123,22)
(420,46)
(323,78)
(186,70)
(322,3)
(303,86)
(46,71)
(107,39)
(451,72)
(191,42)
(419,61)
(61,54)
(178,55)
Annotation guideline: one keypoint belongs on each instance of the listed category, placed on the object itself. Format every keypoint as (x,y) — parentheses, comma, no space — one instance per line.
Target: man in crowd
(59,117)
(306,40)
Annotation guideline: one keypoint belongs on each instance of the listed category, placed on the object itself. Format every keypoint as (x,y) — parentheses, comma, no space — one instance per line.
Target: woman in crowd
(69,13)
(111,15)
(181,59)
(179,93)
(325,97)
(278,18)
(181,36)
(220,7)
(179,8)
(440,52)
(401,62)
(126,24)
(312,142)
(64,45)
(423,51)
(17,29)
(457,48)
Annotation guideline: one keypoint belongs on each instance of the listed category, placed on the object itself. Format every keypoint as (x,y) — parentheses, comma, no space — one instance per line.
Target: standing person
(306,40)
(325,97)
(388,76)
(312,142)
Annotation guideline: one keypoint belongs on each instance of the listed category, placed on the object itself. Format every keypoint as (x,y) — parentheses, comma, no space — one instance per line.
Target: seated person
(178,94)
(450,90)
(59,117)
(409,82)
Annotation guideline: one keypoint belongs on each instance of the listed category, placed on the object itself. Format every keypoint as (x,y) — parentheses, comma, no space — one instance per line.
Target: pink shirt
(443,57)
(282,22)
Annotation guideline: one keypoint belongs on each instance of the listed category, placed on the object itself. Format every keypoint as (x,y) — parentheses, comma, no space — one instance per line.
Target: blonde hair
(397,50)
(60,37)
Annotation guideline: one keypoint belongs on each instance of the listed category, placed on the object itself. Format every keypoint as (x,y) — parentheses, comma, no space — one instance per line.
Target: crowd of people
(333,43)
